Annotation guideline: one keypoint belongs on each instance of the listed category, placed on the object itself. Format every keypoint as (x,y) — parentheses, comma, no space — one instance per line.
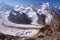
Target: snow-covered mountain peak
(30,7)
(59,8)
(45,5)
(19,8)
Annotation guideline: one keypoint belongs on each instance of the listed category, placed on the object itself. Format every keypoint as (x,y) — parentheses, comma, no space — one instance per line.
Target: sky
(27,2)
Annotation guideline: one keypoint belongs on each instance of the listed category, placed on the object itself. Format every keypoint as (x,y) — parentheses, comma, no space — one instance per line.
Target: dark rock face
(41,19)
(19,18)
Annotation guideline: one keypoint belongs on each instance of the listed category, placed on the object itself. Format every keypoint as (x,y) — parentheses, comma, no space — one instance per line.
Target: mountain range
(6,7)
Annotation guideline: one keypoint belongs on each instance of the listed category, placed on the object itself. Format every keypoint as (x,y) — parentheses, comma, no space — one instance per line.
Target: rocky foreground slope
(51,32)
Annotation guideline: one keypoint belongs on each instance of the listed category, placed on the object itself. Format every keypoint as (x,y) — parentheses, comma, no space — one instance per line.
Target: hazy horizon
(28,2)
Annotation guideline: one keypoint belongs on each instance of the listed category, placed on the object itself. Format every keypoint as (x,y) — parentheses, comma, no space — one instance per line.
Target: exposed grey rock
(41,19)
(19,18)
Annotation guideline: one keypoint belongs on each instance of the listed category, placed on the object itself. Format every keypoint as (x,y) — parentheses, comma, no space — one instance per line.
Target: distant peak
(17,6)
(59,8)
